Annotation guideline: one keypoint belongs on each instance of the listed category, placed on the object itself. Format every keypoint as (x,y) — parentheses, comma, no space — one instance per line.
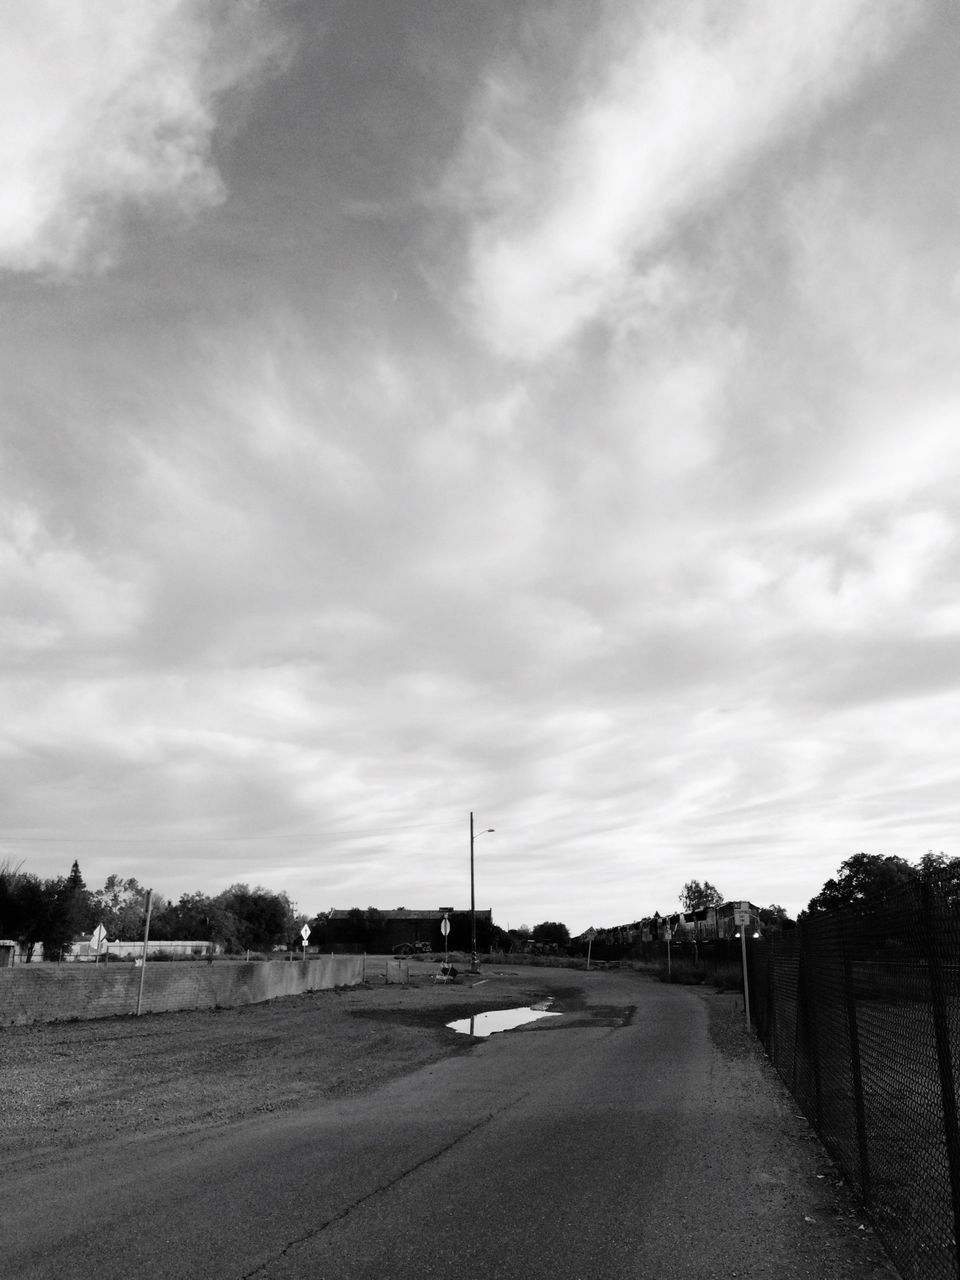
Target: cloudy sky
(539,408)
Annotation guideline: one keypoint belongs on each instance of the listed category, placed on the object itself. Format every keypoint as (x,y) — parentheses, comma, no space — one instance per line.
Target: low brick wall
(58,993)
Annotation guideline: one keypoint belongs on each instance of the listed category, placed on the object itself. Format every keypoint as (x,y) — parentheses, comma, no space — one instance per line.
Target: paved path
(616,1141)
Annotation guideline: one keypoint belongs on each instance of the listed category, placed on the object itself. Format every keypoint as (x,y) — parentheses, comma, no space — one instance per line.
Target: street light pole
(474,960)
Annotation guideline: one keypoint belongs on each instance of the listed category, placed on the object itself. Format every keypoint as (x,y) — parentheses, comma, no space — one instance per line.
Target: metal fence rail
(859,1011)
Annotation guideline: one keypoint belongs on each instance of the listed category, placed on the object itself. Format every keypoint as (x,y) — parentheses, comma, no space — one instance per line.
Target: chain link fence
(859,1011)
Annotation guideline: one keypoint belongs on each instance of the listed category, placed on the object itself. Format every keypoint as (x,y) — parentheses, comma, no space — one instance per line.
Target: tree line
(869,880)
(863,881)
(54,913)
(366,928)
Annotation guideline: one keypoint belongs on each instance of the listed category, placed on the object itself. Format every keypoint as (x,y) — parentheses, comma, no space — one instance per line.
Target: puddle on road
(485,1024)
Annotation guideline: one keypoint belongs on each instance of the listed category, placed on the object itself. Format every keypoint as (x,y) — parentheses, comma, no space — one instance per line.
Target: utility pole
(474,959)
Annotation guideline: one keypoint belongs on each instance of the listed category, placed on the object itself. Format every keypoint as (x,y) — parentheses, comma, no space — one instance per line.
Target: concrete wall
(58,993)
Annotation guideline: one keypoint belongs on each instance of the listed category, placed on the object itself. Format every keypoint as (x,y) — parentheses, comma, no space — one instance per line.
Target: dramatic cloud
(688,97)
(112,105)
(565,434)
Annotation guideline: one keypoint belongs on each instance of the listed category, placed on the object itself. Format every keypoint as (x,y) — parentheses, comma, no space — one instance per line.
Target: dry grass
(70,1083)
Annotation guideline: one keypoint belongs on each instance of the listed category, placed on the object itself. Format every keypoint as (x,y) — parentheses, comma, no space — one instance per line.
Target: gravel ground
(74,1084)
(846,1236)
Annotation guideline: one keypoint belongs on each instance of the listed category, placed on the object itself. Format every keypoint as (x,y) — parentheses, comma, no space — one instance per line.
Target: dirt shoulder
(67,1084)
(813,1191)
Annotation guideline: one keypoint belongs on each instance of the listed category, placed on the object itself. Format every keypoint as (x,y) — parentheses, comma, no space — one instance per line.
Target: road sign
(444,926)
(590,934)
(305,932)
(741,918)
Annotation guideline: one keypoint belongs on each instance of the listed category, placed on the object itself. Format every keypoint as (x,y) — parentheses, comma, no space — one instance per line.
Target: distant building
(88,948)
(84,951)
(381,931)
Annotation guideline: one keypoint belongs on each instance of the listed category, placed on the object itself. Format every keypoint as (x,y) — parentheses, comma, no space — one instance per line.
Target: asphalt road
(615,1141)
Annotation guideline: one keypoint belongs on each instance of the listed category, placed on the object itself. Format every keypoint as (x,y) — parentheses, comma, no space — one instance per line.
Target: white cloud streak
(698,93)
(107,104)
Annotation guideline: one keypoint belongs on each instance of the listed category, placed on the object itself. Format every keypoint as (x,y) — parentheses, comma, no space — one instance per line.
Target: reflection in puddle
(485,1024)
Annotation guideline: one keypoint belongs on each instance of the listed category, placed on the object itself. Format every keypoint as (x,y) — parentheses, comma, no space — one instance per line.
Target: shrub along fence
(859,1011)
(58,993)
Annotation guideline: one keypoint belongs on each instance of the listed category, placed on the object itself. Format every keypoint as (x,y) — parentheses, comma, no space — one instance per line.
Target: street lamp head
(474,960)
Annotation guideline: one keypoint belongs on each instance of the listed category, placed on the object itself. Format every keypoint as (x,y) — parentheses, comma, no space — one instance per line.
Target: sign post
(305,934)
(669,937)
(445,930)
(590,935)
(742,920)
(143,962)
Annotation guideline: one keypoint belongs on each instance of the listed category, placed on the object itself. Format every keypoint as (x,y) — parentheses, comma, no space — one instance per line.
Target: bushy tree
(8,879)
(694,896)
(83,910)
(551,932)
(944,872)
(865,880)
(58,918)
(121,907)
(775,917)
(36,912)
(261,919)
(21,908)
(196,917)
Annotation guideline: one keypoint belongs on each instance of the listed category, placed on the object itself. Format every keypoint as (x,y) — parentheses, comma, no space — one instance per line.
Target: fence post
(858,1103)
(941,1031)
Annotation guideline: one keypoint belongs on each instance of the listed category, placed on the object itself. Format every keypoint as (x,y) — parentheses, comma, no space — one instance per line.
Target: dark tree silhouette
(865,880)
(694,896)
